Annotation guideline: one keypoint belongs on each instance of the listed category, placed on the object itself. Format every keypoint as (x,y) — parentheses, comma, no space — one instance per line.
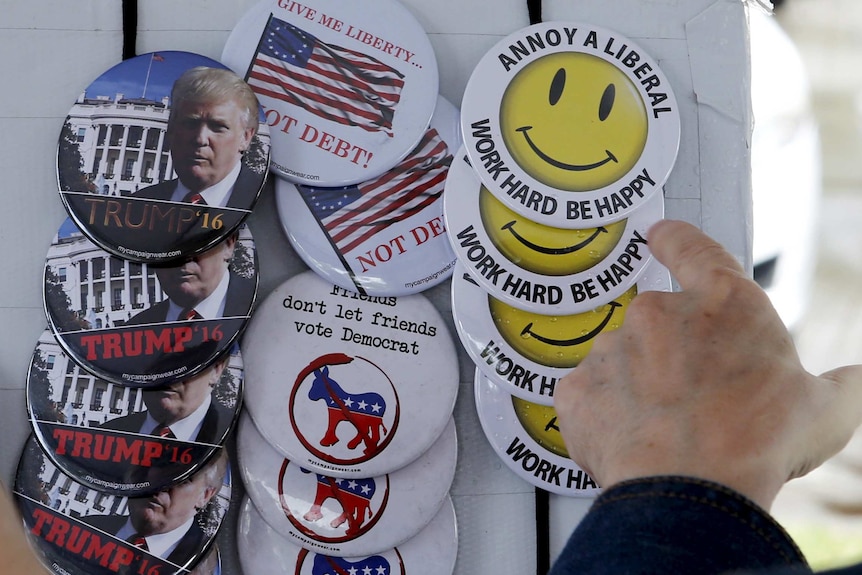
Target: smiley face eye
(607,103)
(557,85)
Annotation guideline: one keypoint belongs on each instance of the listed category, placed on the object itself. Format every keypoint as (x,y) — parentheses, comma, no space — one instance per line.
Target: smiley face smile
(577,340)
(510,227)
(562,165)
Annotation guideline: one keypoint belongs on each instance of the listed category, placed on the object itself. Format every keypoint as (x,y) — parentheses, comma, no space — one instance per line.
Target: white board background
(54,48)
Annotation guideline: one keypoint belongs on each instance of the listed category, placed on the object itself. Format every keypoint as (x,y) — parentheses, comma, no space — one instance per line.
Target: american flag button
(383,236)
(351,385)
(432,551)
(345,517)
(348,90)
(162,157)
(128,441)
(146,325)
(525,436)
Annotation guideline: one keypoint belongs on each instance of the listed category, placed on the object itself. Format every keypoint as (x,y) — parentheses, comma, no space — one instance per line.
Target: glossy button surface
(526,438)
(570,124)
(430,552)
(129,441)
(162,156)
(145,325)
(527,352)
(349,385)
(348,89)
(384,236)
(84,531)
(345,516)
(538,268)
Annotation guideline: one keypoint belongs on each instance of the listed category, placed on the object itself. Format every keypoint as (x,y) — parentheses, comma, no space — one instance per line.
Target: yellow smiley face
(542,249)
(540,423)
(573,121)
(553,340)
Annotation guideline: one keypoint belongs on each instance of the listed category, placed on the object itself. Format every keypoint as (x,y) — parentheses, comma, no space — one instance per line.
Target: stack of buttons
(547,205)
(347,445)
(348,448)
(135,387)
(362,141)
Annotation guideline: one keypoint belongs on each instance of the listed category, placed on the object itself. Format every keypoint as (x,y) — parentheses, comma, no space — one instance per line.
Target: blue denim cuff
(675,525)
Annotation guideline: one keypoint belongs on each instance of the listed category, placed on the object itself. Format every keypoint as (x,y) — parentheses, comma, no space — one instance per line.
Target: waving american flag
(352,214)
(339,84)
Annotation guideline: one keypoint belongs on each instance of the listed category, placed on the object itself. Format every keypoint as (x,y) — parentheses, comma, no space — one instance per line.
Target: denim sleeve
(676,525)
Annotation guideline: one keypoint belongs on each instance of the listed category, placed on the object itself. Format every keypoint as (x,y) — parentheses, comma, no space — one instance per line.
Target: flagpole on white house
(147,80)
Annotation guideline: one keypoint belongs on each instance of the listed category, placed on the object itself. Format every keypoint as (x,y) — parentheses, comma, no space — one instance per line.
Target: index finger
(688,253)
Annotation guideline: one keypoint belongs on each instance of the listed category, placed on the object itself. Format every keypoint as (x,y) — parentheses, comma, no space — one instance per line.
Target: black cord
(543,527)
(543,532)
(130,28)
(534,8)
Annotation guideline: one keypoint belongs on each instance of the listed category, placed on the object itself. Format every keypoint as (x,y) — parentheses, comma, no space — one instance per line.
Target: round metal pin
(384,236)
(162,156)
(129,441)
(83,531)
(348,89)
(526,438)
(525,352)
(349,385)
(430,552)
(570,125)
(538,268)
(145,325)
(345,517)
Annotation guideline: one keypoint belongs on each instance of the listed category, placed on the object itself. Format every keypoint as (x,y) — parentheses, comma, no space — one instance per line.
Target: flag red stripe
(292,84)
(373,222)
(376,227)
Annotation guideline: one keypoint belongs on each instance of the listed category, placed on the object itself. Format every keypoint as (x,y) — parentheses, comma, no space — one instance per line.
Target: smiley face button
(542,249)
(538,268)
(527,439)
(569,124)
(527,353)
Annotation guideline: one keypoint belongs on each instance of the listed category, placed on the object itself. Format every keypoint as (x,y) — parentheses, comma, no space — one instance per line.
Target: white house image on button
(121,142)
(105,290)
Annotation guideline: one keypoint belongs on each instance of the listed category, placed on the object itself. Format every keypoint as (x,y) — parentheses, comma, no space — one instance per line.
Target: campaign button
(147,325)
(384,236)
(345,517)
(526,438)
(569,124)
(538,268)
(85,531)
(347,89)
(348,384)
(432,551)
(163,156)
(129,441)
(526,353)
(210,564)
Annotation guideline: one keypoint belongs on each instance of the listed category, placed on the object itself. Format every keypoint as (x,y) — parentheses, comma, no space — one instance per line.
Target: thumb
(835,414)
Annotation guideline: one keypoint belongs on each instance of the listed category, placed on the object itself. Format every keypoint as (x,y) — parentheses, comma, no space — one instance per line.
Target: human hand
(704,382)
(16,554)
